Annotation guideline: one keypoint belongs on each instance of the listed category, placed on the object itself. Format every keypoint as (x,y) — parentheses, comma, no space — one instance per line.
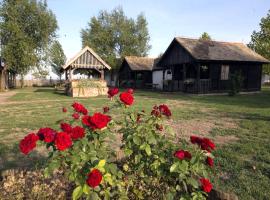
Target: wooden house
(136,72)
(200,66)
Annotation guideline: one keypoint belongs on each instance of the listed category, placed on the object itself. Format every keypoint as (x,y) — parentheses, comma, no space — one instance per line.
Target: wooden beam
(198,77)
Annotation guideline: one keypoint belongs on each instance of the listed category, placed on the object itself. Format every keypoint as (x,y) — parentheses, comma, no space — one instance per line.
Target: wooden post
(66,76)
(198,77)
(102,74)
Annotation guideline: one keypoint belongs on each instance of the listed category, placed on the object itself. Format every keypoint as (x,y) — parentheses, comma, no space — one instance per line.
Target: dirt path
(5,95)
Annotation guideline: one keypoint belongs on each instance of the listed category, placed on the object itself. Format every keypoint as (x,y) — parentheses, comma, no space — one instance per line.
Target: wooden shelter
(136,72)
(90,64)
(200,66)
(87,60)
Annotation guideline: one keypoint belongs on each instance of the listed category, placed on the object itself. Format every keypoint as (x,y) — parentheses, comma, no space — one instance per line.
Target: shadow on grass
(259,100)
(12,158)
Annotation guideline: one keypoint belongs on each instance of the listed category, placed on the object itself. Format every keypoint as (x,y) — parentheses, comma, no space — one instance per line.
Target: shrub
(156,164)
(236,82)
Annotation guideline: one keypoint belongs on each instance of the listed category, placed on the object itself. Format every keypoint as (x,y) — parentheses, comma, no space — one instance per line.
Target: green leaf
(169,196)
(101,163)
(183,166)
(151,139)
(148,150)
(94,196)
(86,189)
(142,147)
(193,182)
(137,140)
(128,152)
(138,158)
(173,168)
(77,193)
(108,178)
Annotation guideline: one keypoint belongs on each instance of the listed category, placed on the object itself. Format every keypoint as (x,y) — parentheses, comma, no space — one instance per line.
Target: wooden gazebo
(93,66)
(85,59)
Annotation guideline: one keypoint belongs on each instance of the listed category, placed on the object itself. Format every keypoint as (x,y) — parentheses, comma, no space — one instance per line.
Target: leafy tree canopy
(26,28)
(205,36)
(260,41)
(57,58)
(113,36)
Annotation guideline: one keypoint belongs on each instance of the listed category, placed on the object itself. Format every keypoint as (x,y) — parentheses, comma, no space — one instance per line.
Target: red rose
(97,121)
(46,134)
(181,155)
(76,116)
(94,178)
(112,92)
(64,109)
(28,143)
(159,127)
(139,118)
(62,141)
(130,90)
(204,143)
(195,140)
(126,98)
(66,127)
(79,108)
(165,110)
(187,155)
(207,144)
(206,185)
(156,113)
(210,161)
(77,133)
(106,109)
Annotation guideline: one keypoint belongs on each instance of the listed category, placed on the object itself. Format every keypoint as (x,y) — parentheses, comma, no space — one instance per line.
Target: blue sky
(225,20)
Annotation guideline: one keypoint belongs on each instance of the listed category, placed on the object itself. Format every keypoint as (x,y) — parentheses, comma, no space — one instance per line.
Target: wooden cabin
(200,66)
(136,72)
(85,74)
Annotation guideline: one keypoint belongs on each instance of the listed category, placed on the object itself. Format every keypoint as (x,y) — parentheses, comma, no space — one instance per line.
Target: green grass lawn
(240,125)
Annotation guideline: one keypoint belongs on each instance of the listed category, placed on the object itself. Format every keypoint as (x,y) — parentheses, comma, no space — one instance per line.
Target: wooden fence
(36,82)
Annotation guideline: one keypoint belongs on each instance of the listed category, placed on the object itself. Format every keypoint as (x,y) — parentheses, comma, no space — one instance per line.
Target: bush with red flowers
(112,92)
(155,165)
(127,98)
(28,143)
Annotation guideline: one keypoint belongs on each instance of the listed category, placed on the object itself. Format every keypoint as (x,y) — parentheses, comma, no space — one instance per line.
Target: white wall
(265,78)
(158,79)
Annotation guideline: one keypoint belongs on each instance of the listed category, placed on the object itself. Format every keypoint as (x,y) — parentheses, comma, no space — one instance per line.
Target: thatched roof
(219,51)
(86,58)
(140,63)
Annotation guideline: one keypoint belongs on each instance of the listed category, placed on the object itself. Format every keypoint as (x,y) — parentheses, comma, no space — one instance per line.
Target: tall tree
(260,41)
(57,58)
(205,36)
(113,36)
(26,29)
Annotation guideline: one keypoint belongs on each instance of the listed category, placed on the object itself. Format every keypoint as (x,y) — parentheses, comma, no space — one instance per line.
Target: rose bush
(155,165)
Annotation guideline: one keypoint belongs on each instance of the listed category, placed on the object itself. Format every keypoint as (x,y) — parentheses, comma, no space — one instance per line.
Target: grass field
(239,125)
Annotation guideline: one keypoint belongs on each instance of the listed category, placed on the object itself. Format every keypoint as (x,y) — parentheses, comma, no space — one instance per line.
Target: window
(204,72)
(225,72)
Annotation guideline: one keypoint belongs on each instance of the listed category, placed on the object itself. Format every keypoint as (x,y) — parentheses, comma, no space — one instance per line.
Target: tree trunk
(22,81)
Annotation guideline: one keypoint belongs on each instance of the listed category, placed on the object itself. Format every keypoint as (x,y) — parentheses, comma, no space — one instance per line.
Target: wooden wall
(175,54)
(251,73)
(127,75)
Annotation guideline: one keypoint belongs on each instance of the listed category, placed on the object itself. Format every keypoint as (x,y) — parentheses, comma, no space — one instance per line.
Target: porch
(190,78)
